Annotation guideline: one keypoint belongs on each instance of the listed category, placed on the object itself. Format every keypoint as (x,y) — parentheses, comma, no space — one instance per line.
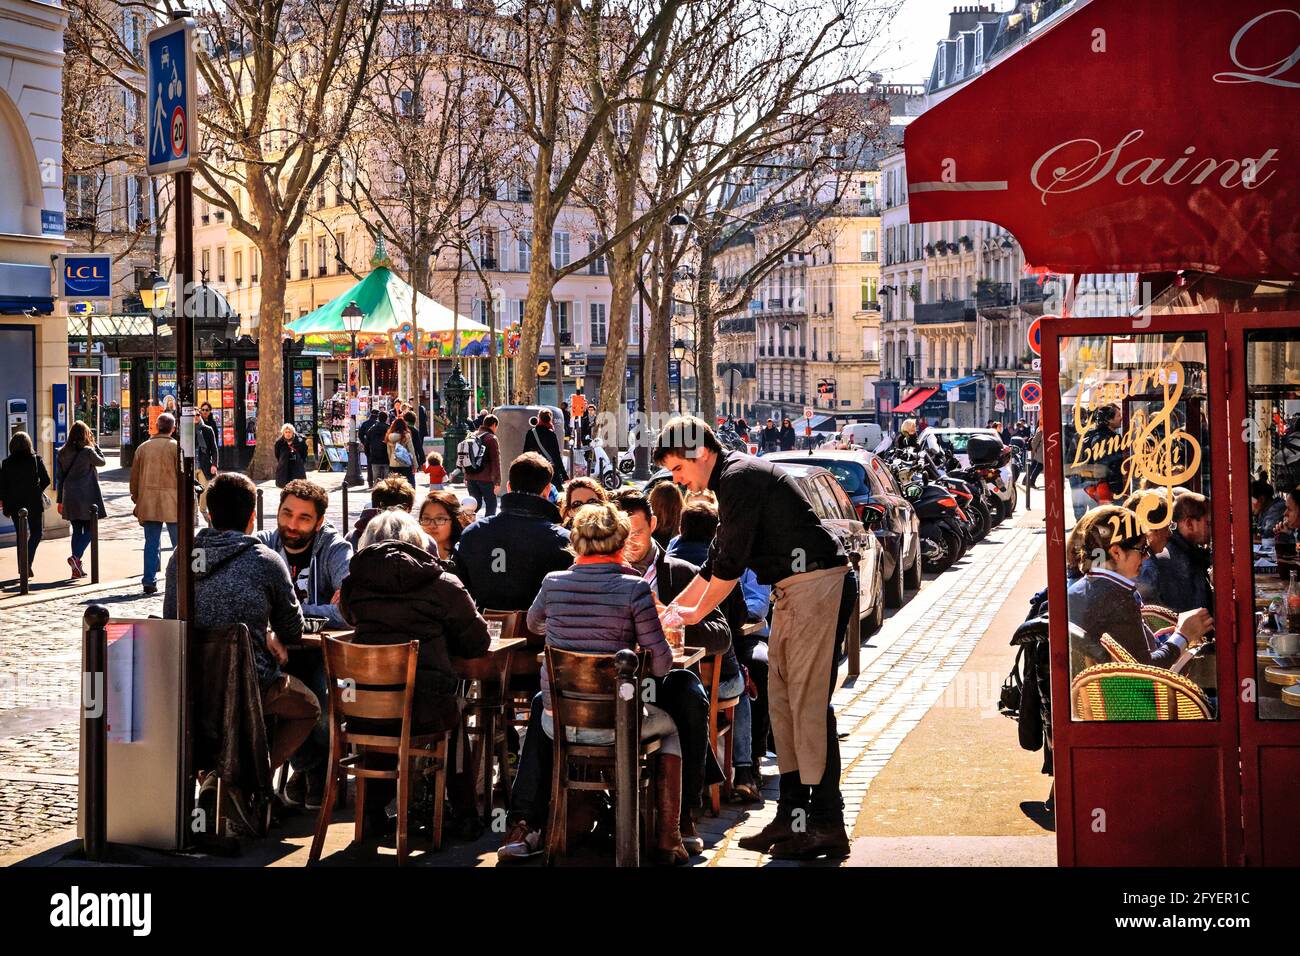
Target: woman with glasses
(1107,549)
(442,520)
(578,492)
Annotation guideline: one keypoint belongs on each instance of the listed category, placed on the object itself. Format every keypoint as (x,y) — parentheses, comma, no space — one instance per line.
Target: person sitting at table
(681,693)
(242,581)
(600,605)
(395,592)
(746,605)
(1183,570)
(578,492)
(392,492)
(1158,524)
(1109,544)
(1267,507)
(317,557)
(502,558)
(443,519)
(666,502)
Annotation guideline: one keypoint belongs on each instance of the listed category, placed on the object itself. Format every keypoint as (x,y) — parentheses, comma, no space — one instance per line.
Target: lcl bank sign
(84,277)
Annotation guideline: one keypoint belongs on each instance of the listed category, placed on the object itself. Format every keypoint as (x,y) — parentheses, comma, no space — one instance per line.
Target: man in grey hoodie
(240,580)
(317,556)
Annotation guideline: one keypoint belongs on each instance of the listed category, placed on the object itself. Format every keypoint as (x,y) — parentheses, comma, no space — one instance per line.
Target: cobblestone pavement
(906,668)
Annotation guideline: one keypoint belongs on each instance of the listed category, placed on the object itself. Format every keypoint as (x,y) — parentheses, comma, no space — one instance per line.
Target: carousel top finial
(380,257)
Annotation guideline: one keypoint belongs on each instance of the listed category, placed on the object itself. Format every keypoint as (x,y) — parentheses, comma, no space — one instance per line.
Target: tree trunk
(270,360)
(622,281)
(704,347)
(659,348)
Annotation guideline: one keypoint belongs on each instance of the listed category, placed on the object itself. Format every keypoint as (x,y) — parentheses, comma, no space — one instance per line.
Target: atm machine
(16,419)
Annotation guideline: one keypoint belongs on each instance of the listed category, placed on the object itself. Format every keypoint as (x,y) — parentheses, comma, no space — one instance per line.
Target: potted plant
(929,248)
(914,292)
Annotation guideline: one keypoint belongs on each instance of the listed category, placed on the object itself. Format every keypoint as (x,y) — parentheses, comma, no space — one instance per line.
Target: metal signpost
(172,132)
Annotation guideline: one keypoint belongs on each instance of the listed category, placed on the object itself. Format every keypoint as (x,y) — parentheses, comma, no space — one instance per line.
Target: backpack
(471,454)
(403,456)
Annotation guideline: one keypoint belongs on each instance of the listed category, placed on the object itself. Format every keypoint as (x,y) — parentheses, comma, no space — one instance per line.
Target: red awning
(915,399)
(1130,137)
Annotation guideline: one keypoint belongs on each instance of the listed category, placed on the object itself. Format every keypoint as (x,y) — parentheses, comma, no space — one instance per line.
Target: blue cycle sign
(85,277)
(172,120)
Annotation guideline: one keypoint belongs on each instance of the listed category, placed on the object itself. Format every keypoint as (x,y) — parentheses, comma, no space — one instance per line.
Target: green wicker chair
(1123,691)
(1158,618)
(1116,651)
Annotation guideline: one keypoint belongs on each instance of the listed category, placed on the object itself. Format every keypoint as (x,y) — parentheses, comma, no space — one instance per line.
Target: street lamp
(679,353)
(352,319)
(153,296)
(679,224)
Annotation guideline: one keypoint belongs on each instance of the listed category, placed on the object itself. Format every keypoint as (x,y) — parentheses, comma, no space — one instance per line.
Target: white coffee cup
(1285,644)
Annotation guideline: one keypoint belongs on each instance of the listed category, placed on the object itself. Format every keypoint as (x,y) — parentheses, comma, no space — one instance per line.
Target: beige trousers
(799,652)
(203,480)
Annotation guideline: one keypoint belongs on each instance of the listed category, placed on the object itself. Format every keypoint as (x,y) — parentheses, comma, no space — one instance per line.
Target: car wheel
(893,591)
(912,581)
(875,620)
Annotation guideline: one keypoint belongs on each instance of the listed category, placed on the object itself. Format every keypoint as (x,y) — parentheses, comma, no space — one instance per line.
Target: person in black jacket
(363,432)
(290,456)
(542,439)
(205,456)
(395,592)
(23,480)
(503,558)
(770,438)
(376,447)
(788,438)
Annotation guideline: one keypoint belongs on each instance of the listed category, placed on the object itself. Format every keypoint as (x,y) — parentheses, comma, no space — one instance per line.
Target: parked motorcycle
(937,510)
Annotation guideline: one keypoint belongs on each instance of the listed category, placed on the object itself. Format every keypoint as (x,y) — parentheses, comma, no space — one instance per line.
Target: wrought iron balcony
(936,313)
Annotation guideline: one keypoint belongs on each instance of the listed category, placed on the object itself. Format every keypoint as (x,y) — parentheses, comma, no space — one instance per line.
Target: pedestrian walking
(23,480)
(290,456)
(376,430)
(766,524)
(78,489)
(788,437)
(401,449)
(542,439)
(205,457)
(1035,456)
(479,456)
(153,489)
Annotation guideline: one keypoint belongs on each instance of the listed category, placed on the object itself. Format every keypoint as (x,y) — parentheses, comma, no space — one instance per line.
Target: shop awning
(1128,137)
(26,305)
(959,382)
(914,400)
(821,423)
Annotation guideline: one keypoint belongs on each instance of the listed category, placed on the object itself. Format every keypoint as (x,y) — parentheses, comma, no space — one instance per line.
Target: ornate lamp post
(455,393)
(352,319)
(679,353)
(153,296)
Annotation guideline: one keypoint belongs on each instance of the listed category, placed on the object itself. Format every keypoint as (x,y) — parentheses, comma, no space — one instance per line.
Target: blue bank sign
(172,121)
(85,277)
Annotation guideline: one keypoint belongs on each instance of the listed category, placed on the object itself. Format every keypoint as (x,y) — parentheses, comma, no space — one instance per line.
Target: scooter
(942,541)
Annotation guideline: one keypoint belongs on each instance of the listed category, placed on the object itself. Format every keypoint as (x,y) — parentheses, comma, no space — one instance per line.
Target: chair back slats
(374,681)
(1122,691)
(582,688)
(1157,617)
(377,665)
(372,704)
(1116,650)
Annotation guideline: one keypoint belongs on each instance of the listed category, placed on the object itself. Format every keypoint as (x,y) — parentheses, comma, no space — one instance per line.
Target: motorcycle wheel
(983,520)
(943,554)
(955,545)
(611,480)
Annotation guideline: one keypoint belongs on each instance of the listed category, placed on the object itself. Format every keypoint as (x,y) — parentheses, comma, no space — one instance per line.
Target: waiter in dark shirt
(766,524)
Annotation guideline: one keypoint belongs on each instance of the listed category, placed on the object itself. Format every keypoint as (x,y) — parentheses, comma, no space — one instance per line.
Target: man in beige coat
(153,489)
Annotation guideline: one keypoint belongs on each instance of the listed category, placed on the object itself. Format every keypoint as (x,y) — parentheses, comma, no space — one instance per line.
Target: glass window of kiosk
(1135,442)
(1272,437)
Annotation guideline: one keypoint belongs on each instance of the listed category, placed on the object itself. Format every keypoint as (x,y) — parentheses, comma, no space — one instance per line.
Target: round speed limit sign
(178,131)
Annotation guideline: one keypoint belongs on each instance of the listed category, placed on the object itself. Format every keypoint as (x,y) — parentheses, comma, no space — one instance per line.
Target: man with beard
(317,556)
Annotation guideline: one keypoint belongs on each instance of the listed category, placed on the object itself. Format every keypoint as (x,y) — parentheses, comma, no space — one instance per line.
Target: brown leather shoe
(820,839)
(668,809)
(776,831)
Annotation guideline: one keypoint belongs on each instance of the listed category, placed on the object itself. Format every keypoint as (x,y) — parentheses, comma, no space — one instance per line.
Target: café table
(492,671)
(1291,695)
(1282,676)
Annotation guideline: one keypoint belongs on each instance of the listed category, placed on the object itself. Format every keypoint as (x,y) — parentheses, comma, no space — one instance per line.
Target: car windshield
(958,440)
(851,476)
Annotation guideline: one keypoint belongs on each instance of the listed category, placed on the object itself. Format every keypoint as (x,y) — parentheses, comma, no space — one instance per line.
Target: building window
(525,245)
(599,329)
(322,263)
(302,259)
(254,262)
(560,249)
(239,267)
(221,263)
(205,263)
(867,245)
(562,319)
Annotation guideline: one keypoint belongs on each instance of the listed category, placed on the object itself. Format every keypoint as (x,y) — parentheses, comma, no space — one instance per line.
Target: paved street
(906,669)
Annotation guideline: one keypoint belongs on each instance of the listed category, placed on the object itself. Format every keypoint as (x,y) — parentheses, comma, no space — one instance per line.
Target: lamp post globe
(352,319)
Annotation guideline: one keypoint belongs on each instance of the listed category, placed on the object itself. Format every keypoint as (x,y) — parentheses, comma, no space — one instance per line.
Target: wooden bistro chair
(525,671)
(722,718)
(392,667)
(584,696)
(488,708)
(1121,691)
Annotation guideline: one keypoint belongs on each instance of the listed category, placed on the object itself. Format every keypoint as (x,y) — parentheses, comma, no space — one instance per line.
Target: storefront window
(1271,432)
(1135,441)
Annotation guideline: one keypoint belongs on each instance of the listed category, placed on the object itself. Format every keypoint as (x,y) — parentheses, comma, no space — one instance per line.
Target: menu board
(304,400)
(124,402)
(215,386)
(251,379)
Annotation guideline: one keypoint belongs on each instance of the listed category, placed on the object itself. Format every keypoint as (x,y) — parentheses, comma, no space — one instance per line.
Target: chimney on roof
(968,17)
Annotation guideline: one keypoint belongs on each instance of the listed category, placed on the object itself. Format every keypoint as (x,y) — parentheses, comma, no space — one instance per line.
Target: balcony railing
(870,355)
(737,326)
(870,256)
(934,313)
(995,295)
(1030,291)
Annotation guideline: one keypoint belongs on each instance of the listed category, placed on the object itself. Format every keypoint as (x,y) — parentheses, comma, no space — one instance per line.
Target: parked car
(1004,487)
(836,512)
(869,483)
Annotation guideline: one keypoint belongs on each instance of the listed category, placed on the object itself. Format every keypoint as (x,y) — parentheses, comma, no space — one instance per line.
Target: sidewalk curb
(63,594)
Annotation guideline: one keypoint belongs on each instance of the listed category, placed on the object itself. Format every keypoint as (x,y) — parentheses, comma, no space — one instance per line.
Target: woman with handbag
(79,491)
(290,456)
(23,480)
(401,450)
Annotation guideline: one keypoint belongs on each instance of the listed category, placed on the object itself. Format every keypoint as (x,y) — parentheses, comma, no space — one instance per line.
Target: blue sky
(907,51)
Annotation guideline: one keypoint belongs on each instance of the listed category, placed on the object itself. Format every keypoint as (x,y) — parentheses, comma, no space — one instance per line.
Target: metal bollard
(346,523)
(627,760)
(94,544)
(94,728)
(24,563)
(854,636)
(260,519)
